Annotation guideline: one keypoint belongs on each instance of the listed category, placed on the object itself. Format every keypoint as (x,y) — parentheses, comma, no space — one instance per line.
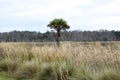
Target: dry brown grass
(93,56)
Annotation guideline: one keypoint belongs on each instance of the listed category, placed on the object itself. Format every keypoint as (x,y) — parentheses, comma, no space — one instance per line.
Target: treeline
(27,36)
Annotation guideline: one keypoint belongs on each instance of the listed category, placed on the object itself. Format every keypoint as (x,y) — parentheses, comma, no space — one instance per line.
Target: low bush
(62,71)
(3,65)
(27,70)
(47,72)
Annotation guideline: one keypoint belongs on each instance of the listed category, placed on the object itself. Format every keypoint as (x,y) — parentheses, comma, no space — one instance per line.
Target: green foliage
(47,73)
(5,76)
(27,70)
(65,70)
(83,74)
(2,53)
(12,65)
(8,65)
(58,24)
(3,66)
(111,74)
(117,34)
(62,71)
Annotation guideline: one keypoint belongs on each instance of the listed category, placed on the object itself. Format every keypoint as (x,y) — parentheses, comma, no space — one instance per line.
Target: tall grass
(71,61)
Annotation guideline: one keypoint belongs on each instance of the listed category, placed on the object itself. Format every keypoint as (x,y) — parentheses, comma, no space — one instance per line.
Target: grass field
(71,61)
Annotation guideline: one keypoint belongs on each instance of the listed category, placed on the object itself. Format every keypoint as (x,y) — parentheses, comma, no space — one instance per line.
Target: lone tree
(58,25)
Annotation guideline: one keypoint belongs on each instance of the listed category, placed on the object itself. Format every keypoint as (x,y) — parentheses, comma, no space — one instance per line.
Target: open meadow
(71,61)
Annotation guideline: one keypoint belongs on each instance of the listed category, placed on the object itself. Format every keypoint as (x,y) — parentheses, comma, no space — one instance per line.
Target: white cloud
(107,20)
(80,14)
(112,8)
(53,7)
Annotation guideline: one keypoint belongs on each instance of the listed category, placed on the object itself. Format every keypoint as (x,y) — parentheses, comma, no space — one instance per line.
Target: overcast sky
(34,15)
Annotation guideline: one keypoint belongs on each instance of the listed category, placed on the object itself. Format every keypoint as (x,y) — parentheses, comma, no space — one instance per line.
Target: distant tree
(58,25)
(28,36)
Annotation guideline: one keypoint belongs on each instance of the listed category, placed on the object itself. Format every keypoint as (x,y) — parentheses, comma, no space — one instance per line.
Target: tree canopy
(58,24)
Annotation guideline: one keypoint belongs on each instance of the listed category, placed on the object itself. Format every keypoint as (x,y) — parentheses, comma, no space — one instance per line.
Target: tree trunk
(58,41)
(57,37)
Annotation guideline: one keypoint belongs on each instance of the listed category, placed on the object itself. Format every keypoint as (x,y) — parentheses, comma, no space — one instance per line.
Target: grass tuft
(111,74)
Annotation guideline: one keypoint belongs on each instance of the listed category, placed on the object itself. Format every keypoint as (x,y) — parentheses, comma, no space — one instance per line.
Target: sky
(35,15)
